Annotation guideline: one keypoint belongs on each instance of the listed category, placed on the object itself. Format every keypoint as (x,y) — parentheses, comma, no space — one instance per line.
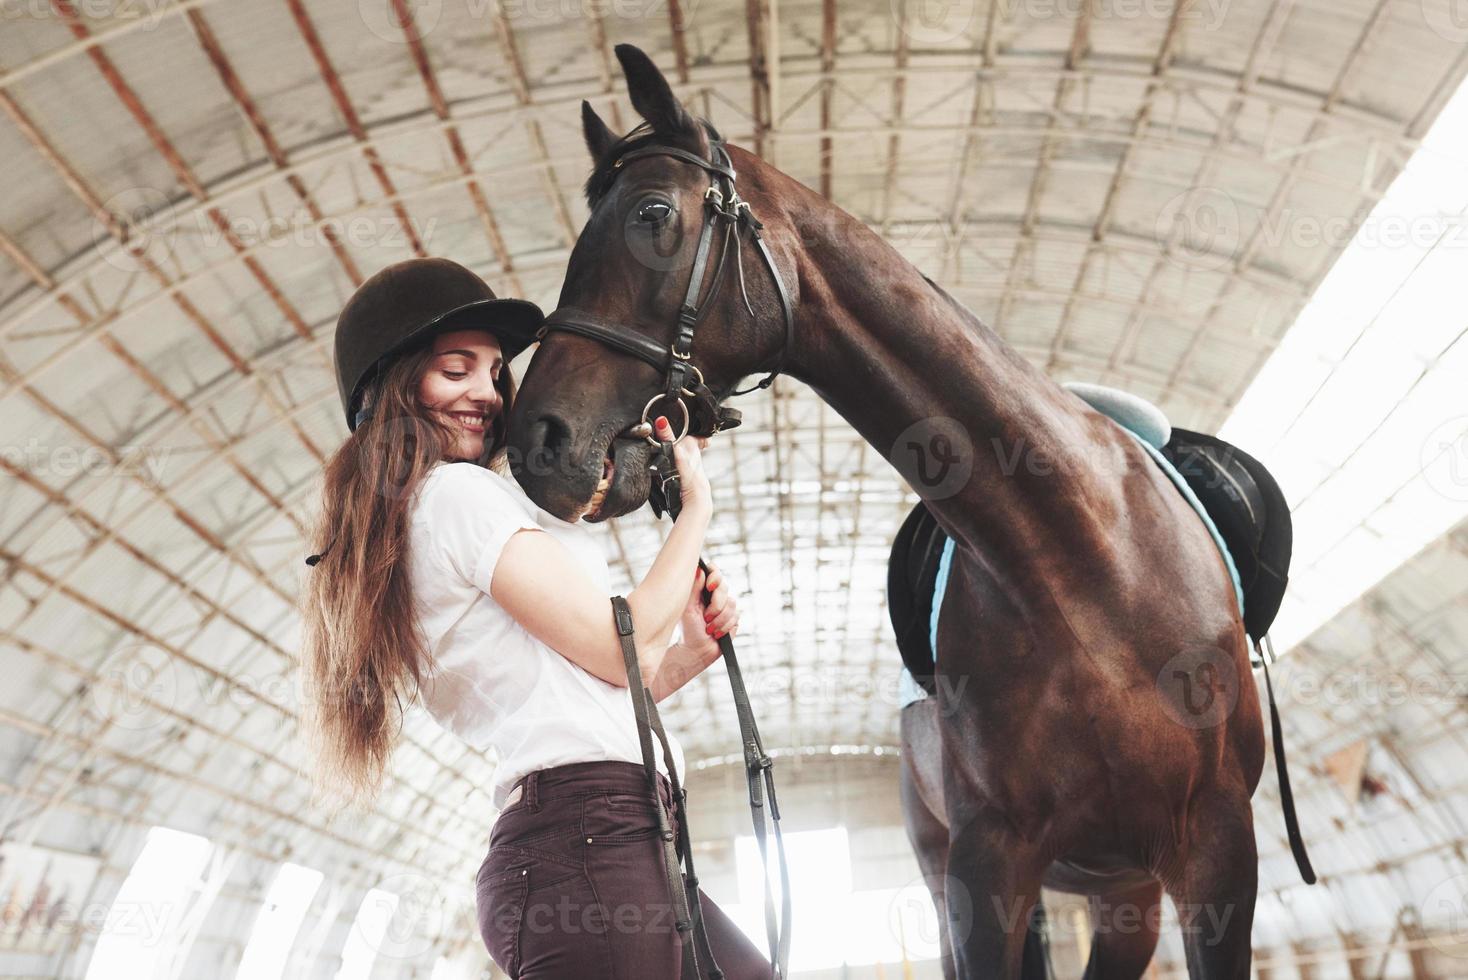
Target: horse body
(1080,573)
(1082,592)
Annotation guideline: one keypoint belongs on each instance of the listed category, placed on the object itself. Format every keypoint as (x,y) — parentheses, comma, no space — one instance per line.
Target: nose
(484,391)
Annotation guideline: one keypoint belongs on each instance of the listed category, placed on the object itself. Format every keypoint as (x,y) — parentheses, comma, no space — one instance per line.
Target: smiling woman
(426,588)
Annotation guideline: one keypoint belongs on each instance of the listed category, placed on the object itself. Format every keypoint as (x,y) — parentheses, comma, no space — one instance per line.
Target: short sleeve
(466,514)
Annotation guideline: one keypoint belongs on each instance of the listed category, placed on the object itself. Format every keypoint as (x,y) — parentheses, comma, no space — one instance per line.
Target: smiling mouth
(471,421)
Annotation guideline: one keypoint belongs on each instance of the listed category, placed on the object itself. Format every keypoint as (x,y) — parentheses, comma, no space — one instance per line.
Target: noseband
(722,205)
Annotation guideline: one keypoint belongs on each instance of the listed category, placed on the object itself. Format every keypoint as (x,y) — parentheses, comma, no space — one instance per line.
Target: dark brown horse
(1082,584)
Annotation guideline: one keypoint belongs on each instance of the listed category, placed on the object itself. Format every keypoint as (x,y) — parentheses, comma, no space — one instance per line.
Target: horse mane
(642,135)
(969,317)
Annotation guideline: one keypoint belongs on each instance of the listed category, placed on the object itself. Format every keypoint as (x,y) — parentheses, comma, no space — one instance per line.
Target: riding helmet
(407,303)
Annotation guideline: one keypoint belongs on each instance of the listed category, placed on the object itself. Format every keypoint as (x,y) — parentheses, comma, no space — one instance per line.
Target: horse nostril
(549,435)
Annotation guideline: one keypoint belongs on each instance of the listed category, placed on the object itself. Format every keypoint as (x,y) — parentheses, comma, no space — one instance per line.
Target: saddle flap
(1250,512)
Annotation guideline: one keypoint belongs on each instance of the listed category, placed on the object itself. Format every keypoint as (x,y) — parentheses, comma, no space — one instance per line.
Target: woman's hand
(700,647)
(702,626)
(693,483)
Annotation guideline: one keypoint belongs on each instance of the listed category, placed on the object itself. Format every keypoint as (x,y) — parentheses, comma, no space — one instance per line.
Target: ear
(651,96)
(599,138)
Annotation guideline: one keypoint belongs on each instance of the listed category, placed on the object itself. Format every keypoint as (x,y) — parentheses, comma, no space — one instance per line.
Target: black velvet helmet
(407,303)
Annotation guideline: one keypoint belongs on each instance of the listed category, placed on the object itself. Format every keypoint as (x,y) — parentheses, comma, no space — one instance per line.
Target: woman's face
(458,386)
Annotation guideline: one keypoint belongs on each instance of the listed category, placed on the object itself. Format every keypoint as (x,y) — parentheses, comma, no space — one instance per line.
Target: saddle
(1237,492)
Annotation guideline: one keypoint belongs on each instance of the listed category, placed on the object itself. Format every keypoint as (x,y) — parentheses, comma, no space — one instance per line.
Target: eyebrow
(467,353)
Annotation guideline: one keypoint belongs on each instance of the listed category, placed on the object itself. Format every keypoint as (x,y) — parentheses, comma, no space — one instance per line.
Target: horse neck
(890,351)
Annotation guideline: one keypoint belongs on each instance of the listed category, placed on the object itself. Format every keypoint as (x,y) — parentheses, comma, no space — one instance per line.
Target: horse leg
(1125,933)
(925,830)
(993,884)
(1216,888)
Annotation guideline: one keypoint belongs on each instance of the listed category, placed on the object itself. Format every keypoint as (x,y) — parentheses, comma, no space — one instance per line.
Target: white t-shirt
(497,686)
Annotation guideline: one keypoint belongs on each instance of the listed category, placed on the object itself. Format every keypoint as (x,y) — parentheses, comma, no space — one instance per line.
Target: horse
(1081,583)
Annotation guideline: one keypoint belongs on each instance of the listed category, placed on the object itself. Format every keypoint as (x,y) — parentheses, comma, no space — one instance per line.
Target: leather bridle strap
(687,910)
(722,204)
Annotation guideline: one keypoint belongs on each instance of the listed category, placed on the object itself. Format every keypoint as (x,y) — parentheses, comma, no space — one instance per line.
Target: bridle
(722,205)
(683,380)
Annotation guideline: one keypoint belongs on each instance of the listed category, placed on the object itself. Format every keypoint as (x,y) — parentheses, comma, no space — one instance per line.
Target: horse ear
(651,96)
(599,138)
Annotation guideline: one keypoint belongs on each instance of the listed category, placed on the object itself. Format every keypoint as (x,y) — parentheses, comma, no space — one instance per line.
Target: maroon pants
(574,886)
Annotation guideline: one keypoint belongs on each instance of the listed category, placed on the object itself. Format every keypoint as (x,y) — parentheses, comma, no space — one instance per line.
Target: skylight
(279,920)
(1360,413)
(141,936)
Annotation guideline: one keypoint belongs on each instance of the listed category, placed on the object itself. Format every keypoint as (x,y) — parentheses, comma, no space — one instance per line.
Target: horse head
(667,228)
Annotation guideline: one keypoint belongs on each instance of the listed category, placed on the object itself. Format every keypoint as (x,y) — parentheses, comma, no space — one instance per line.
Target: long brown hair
(362,654)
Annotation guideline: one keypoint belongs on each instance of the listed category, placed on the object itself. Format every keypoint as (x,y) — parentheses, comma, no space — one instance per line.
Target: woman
(439,577)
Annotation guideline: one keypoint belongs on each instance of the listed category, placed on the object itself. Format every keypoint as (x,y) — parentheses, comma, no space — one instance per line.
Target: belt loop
(530,798)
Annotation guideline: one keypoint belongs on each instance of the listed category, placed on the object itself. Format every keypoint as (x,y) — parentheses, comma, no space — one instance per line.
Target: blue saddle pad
(1153,425)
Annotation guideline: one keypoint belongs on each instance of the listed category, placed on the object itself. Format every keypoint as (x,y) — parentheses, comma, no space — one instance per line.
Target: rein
(722,206)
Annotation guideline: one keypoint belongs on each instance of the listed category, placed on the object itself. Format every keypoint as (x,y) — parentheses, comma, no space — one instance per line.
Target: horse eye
(654,213)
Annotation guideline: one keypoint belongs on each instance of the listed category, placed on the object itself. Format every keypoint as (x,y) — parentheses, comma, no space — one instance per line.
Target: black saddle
(1235,489)
(1250,512)
(912,573)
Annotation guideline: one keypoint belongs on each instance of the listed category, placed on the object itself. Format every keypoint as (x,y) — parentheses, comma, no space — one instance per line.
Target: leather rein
(722,208)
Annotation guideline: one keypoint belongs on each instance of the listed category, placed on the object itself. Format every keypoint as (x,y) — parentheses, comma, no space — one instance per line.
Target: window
(142,935)
(837,924)
(365,939)
(279,921)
